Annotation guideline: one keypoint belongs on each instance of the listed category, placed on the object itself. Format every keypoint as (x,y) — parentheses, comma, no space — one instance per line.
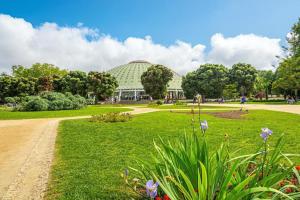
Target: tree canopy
(155,80)
(46,77)
(244,76)
(288,75)
(208,80)
(264,81)
(101,84)
(38,70)
(294,39)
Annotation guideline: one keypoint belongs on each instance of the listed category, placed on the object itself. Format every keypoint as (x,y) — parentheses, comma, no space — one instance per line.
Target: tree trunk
(266,93)
(296,95)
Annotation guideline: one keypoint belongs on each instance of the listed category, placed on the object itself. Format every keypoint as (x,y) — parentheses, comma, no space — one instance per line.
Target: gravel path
(26,153)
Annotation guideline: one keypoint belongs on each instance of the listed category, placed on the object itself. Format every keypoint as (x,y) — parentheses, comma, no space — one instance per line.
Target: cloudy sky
(99,36)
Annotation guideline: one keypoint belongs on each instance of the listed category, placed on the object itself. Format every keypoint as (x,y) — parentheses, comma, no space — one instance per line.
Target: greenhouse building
(130,86)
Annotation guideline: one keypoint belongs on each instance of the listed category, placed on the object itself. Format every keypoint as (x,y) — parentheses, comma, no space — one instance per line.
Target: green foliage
(52,101)
(103,85)
(33,103)
(208,80)
(46,77)
(111,117)
(189,85)
(294,39)
(288,75)
(159,102)
(45,83)
(185,169)
(90,101)
(74,82)
(16,86)
(10,100)
(264,81)
(244,75)
(155,80)
(230,92)
(38,70)
(180,103)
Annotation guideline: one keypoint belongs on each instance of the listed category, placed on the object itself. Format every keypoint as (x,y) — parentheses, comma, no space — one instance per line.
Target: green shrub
(51,101)
(159,102)
(10,100)
(68,104)
(180,103)
(52,96)
(112,117)
(34,104)
(57,105)
(90,101)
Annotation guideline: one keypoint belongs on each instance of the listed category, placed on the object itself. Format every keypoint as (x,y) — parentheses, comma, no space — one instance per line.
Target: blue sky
(181,34)
(165,20)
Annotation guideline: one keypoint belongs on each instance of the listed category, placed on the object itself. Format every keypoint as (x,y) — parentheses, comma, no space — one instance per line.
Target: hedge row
(50,101)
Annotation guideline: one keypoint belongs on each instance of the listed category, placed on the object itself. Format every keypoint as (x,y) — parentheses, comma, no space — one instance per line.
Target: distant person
(194,100)
(221,100)
(290,100)
(243,100)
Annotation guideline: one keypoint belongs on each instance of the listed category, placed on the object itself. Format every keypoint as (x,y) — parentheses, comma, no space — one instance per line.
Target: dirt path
(282,108)
(26,153)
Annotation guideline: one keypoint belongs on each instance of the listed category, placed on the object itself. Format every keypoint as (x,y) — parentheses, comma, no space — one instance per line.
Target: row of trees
(46,77)
(215,81)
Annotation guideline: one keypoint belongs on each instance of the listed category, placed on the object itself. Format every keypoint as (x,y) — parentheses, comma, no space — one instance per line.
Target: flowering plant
(187,170)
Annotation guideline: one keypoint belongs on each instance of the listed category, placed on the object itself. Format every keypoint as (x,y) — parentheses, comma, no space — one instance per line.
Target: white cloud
(82,48)
(253,49)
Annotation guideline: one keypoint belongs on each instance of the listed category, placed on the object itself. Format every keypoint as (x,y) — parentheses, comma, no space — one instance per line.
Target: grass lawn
(91,156)
(166,106)
(264,102)
(89,110)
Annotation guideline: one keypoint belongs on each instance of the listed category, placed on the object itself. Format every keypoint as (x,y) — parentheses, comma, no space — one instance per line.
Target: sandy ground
(26,153)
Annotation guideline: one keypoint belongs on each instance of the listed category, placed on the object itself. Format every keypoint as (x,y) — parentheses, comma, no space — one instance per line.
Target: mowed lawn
(6,114)
(91,156)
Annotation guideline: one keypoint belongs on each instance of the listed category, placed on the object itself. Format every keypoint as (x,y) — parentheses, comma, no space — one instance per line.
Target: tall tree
(288,76)
(294,39)
(101,84)
(155,80)
(243,75)
(288,72)
(5,86)
(264,81)
(74,82)
(16,86)
(208,80)
(38,70)
(45,83)
(190,85)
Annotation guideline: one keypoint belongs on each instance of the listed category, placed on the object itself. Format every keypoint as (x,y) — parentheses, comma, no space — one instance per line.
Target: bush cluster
(51,101)
(112,117)
(156,103)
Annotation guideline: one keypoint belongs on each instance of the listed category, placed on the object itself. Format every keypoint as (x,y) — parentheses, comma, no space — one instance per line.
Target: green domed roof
(129,76)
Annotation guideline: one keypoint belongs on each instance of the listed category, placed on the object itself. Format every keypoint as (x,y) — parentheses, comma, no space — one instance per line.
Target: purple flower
(151,188)
(265,133)
(204,125)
